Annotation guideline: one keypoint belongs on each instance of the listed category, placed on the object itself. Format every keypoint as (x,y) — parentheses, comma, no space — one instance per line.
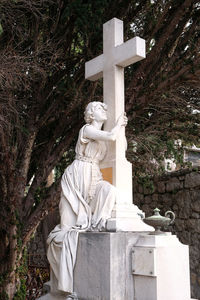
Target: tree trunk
(9,256)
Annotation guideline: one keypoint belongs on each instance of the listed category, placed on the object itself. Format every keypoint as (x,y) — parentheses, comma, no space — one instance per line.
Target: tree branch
(47,204)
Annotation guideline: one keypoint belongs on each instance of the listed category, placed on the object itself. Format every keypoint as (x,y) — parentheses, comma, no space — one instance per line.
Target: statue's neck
(97,124)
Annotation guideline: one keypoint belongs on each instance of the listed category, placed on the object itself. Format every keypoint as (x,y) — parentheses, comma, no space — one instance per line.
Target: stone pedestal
(127,265)
(160,267)
(130,266)
(103,268)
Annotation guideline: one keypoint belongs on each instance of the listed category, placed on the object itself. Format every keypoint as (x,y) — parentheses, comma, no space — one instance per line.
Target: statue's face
(100,113)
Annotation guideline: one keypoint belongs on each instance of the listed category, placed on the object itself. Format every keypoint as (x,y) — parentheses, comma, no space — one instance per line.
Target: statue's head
(90,109)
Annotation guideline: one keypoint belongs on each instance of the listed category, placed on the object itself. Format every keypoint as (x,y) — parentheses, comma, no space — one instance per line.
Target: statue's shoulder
(81,131)
(81,134)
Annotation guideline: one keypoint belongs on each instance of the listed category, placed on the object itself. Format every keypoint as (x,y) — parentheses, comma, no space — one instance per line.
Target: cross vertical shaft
(113,95)
(110,65)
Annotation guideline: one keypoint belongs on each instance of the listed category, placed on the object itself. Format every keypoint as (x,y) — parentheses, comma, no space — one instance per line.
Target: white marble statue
(86,199)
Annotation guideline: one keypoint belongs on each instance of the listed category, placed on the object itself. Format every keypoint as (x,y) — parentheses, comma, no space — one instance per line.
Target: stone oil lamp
(158,221)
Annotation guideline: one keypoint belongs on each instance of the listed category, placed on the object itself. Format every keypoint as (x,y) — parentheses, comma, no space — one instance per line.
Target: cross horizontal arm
(94,68)
(130,52)
(123,55)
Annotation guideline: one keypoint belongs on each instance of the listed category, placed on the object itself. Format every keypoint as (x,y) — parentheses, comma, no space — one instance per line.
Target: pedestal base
(127,266)
(103,268)
(160,266)
(127,224)
(127,217)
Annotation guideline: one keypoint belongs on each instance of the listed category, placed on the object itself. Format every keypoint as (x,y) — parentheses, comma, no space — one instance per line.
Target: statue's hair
(90,108)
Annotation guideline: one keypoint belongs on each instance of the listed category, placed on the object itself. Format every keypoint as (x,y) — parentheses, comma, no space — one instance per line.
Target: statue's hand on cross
(122,120)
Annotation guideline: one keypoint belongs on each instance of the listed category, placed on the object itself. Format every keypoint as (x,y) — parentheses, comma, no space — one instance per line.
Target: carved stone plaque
(143,261)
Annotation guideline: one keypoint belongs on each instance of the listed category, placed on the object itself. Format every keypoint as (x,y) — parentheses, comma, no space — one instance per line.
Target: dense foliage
(44,45)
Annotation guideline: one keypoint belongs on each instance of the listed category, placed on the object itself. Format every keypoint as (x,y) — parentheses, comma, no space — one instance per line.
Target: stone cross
(110,65)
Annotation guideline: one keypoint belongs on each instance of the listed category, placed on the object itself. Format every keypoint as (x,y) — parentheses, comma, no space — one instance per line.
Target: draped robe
(86,203)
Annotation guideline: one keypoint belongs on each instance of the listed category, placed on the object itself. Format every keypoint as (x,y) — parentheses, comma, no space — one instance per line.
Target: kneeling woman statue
(86,199)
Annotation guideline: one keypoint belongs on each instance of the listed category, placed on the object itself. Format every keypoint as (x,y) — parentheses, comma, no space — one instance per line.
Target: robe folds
(86,203)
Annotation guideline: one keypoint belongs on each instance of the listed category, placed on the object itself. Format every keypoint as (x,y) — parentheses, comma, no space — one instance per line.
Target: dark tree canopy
(44,45)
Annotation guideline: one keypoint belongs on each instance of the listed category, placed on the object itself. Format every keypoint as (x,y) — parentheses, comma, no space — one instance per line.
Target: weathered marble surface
(161,268)
(103,269)
(127,266)
(105,262)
